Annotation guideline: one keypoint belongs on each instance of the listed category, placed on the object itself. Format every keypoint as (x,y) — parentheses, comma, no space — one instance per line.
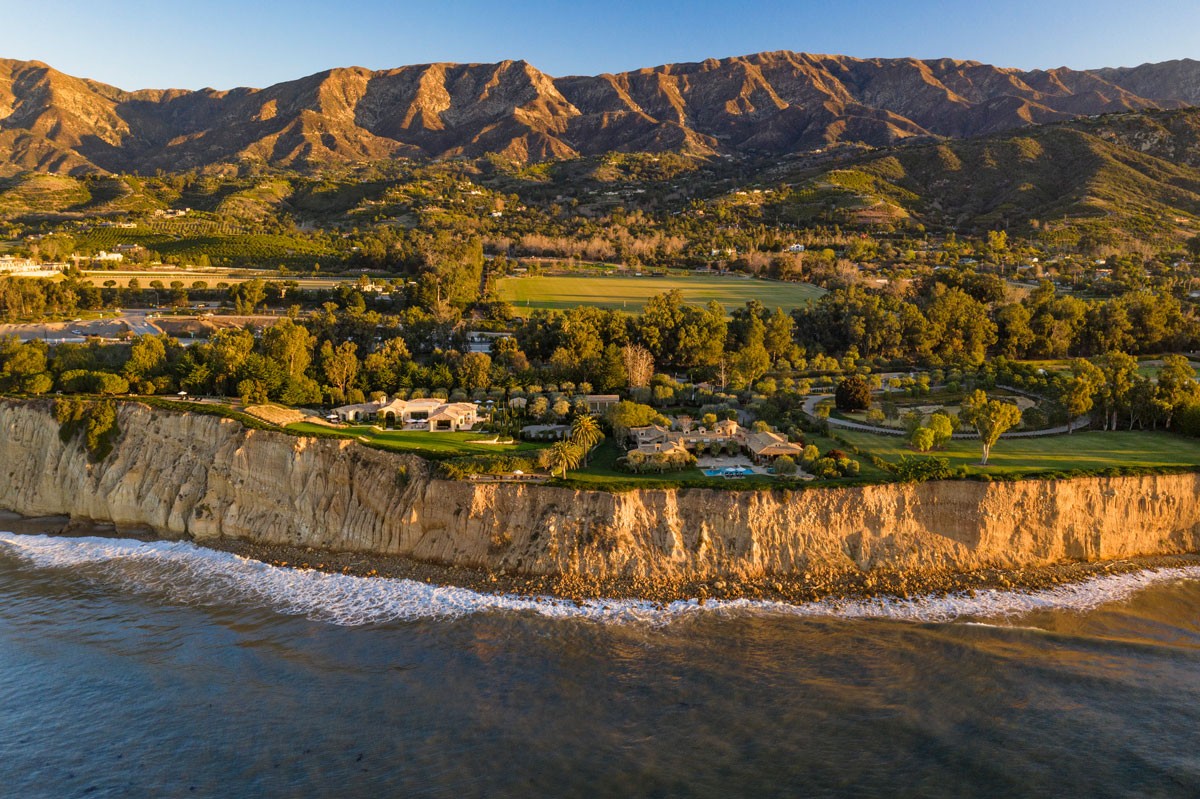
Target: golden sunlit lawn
(419,441)
(629,293)
(1078,451)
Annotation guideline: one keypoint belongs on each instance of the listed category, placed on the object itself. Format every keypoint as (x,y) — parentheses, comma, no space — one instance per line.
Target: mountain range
(767,104)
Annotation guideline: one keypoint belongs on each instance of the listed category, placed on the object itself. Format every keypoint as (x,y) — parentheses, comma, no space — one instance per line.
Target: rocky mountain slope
(768,103)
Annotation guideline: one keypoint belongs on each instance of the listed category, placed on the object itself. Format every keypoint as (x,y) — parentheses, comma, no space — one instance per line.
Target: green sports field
(629,293)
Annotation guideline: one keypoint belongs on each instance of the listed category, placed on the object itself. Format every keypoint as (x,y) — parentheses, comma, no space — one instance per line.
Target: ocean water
(160,669)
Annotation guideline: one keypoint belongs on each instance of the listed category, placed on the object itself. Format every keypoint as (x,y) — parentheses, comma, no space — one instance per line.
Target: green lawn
(1078,451)
(629,293)
(419,441)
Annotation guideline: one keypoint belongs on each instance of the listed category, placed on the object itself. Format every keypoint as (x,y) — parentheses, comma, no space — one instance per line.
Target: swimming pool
(732,471)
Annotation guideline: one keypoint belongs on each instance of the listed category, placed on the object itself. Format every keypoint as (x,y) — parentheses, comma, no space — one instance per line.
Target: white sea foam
(189,574)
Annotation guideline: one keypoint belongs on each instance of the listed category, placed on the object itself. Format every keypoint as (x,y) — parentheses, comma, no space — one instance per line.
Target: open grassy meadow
(1077,451)
(629,293)
(419,441)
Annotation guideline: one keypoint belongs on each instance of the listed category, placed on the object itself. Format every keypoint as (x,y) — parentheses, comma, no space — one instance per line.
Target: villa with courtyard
(761,446)
(434,415)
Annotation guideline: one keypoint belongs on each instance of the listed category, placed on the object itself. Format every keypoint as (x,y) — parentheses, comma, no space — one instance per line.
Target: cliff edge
(208,478)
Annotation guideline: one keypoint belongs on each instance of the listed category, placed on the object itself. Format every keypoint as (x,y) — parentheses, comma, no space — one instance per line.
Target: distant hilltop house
(481,340)
(762,447)
(103,255)
(599,403)
(434,415)
(10,265)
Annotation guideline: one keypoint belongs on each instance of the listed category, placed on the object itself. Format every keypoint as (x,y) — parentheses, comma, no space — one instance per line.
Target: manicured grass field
(629,293)
(420,441)
(1077,451)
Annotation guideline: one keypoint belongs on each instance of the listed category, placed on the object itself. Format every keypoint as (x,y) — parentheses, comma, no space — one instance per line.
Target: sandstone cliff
(206,477)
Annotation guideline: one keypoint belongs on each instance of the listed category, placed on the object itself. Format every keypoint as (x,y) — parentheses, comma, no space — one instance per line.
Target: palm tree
(561,456)
(585,434)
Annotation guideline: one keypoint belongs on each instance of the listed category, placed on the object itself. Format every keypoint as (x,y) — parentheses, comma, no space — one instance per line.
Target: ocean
(159,669)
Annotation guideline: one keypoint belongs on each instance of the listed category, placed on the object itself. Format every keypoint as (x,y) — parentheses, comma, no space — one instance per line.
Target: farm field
(1077,451)
(418,441)
(629,293)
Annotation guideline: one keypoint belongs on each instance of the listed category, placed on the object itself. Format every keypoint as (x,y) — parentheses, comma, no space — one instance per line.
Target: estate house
(761,447)
(434,415)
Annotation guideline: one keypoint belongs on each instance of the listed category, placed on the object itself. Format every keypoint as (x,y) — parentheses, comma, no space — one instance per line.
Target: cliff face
(205,477)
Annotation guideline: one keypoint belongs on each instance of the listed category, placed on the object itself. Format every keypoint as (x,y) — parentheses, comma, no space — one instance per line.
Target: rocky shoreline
(798,589)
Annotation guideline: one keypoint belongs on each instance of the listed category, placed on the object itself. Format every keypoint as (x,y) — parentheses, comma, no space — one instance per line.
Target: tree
(778,341)
(560,457)
(474,370)
(248,295)
(1177,386)
(147,358)
(752,360)
(387,365)
(990,418)
(626,415)
(922,439)
(785,464)
(1079,396)
(290,345)
(639,365)
(942,427)
(586,434)
(853,394)
(340,364)
(1118,369)
(959,327)
(228,348)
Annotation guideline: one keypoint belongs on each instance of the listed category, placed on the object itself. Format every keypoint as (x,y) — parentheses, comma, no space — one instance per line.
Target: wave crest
(195,575)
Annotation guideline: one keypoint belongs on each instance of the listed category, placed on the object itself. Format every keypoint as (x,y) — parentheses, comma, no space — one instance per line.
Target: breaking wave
(189,574)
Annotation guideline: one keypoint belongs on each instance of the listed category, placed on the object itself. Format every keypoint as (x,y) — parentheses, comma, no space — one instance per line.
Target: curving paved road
(810,406)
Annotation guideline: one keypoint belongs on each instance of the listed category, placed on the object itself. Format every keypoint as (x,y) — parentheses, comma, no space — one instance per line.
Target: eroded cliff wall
(207,477)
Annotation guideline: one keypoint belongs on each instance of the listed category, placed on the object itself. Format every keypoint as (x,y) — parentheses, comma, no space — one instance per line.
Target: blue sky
(222,44)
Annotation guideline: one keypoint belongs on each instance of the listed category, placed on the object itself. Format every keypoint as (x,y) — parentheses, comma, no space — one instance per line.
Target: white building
(16,266)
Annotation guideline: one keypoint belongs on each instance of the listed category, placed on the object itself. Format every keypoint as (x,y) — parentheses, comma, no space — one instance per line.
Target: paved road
(810,406)
(110,327)
(139,324)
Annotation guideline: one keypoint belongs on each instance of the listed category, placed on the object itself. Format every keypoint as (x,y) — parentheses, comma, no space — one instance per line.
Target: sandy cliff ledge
(207,478)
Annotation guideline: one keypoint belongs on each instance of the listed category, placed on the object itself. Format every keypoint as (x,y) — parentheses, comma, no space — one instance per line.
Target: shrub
(1034,418)
(656,462)
(853,394)
(913,469)
(942,425)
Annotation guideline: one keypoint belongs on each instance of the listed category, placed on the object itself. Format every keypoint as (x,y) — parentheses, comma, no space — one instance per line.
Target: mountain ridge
(770,103)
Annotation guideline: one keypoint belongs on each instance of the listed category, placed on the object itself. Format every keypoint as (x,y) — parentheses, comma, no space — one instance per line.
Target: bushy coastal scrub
(97,421)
